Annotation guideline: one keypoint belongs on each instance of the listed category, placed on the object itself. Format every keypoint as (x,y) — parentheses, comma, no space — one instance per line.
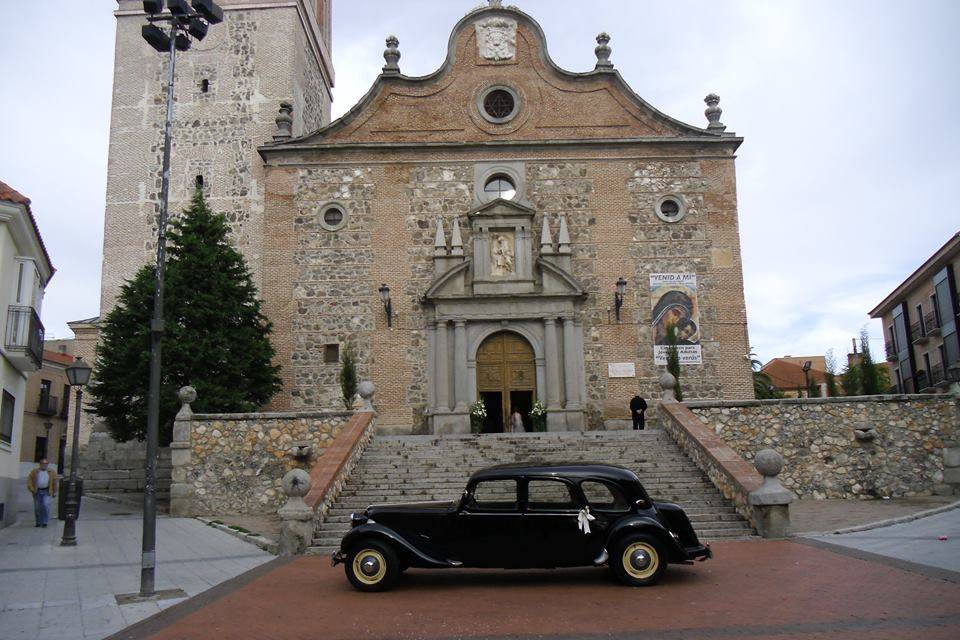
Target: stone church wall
(866,447)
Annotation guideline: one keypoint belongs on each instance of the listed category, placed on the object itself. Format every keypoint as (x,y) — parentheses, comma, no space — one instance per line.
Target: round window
(500,186)
(670,209)
(498,104)
(333,218)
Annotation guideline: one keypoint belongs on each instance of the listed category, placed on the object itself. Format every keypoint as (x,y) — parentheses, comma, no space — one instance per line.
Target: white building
(25,270)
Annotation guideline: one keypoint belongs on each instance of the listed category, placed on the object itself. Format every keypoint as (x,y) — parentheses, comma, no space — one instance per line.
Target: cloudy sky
(849,110)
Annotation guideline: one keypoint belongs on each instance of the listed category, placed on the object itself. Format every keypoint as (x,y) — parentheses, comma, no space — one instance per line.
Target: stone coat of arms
(497,38)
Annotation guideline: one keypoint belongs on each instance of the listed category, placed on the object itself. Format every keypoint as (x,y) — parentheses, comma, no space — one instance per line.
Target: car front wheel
(638,560)
(372,566)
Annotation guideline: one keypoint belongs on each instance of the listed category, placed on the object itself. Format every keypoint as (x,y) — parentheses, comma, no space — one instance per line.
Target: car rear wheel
(372,566)
(638,560)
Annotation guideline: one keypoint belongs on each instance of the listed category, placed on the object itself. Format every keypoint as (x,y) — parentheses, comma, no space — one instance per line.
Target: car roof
(554,469)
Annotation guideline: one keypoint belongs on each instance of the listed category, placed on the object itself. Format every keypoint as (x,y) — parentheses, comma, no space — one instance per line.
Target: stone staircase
(416,468)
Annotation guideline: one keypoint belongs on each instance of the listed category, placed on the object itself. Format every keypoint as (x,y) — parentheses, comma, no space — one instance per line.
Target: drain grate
(122,513)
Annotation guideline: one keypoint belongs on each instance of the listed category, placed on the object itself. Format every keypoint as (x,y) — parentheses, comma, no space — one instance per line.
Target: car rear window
(603,497)
(549,494)
(500,495)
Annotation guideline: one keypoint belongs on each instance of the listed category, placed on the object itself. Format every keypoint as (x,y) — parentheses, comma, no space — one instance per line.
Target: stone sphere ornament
(187,395)
(668,383)
(296,483)
(366,390)
(768,463)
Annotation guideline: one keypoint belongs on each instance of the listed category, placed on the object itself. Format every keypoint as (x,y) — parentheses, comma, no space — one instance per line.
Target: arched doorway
(506,379)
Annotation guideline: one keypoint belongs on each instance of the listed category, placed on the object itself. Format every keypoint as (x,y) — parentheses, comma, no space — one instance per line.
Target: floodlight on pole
(184,23)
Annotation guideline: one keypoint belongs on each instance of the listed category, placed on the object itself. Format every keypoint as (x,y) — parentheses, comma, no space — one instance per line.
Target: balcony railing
(48,405)
(937,375)
(930,321)
(891,350)
(923,382)
(24,339)
(917,333)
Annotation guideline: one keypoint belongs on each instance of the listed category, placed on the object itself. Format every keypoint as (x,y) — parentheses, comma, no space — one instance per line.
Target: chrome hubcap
(370,566)
(640,559)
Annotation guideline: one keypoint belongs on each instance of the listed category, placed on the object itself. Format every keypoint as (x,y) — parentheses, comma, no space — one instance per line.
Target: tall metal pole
(72,500)
(148,559)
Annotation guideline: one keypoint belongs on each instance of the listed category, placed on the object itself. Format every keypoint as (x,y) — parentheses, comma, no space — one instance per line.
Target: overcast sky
(849,111)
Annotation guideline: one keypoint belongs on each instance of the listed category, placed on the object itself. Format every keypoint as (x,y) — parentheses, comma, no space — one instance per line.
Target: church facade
(501,232)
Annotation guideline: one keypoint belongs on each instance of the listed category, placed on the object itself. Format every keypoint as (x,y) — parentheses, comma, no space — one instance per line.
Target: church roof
(554,105)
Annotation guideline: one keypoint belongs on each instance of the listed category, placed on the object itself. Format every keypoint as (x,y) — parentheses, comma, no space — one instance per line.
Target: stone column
(771,502)
(296,530)
(555,418)
(570,360)
(442,367)
(460,364)
(181,490)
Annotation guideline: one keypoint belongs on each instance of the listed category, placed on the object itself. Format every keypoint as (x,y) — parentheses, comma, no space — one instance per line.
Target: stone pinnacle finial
(456,239)
(546,239)
(284,122)
(392,56)
(495,3)
(603,52)
(713,112)
(440,241)
(563,237)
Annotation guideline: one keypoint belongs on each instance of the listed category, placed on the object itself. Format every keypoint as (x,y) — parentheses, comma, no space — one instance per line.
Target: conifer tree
(869,376)
(217,339)
(348,377)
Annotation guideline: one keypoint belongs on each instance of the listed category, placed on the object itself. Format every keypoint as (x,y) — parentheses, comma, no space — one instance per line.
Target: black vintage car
(522,517)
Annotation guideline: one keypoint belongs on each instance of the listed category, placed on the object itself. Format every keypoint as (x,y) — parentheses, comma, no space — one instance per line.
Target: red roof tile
(59,358)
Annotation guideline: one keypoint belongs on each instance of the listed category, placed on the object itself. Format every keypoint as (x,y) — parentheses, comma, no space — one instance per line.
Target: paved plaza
(67,593)
(751,589)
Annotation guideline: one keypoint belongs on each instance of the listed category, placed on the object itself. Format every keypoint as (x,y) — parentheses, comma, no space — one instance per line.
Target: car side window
(604,497)
(549,495)
(495,495)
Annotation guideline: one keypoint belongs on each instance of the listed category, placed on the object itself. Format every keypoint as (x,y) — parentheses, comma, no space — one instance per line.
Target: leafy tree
(217,339)
(813,389)
(673,359)
(763,387)
(831,374)
(348,377)
(850,380)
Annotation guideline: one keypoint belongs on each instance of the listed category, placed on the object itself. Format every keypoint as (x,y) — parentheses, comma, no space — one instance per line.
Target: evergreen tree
(850,380)
(673,360)
(869,376)
(831,375)
(217,339)
(348,377)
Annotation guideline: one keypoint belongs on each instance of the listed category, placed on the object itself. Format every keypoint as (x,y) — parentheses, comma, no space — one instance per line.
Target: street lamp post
(806,374)
(78,374)
(184,24)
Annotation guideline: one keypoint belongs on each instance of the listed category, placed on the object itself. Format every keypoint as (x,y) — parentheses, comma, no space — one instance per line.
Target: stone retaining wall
(108,466)
(235,462)
(868,446)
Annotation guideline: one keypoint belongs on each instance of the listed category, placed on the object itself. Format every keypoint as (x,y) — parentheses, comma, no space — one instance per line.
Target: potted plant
(478,414)
(539,416)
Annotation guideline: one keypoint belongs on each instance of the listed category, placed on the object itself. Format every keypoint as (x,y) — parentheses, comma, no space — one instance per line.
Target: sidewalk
(808,517)
(49,591)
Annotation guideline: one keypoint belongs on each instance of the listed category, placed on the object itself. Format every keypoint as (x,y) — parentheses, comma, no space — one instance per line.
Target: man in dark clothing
(637,406)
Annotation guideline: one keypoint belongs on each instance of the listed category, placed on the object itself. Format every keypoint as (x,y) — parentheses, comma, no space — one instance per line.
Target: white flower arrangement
(538,410)
(478,410)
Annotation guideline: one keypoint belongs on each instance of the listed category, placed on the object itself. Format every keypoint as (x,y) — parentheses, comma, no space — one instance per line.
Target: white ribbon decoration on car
(583,520)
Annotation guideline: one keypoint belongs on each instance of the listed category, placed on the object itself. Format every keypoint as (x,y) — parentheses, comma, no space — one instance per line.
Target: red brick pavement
(751,589)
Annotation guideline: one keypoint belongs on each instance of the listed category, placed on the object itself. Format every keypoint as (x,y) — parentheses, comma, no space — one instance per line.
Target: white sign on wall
(621,370)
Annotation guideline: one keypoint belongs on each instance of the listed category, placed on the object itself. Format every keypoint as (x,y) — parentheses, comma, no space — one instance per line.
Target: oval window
(333,218)
(499,104)
(670,208)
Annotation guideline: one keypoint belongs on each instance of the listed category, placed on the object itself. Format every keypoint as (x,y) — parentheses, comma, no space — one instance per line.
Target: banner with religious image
(674,300)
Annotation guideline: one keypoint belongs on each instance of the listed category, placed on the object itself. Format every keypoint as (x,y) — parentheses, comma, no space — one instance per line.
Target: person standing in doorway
(42,483)
(516,421)
(637,406)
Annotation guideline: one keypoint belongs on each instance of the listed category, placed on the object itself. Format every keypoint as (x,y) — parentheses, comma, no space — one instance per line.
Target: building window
(198,181)
(331,353)
(499,104)
(333,217)
(500,186)
(65,403)
(204,85)
(670,208)
(6,418)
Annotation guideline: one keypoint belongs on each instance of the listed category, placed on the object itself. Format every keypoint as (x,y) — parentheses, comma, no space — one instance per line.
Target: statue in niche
(501,254)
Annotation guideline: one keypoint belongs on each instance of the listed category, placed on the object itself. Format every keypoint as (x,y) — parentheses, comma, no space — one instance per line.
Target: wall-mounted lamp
(387,303)
(618,296)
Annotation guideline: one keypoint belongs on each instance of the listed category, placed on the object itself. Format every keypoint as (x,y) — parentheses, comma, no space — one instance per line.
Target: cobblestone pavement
(751,589)
(68,593)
